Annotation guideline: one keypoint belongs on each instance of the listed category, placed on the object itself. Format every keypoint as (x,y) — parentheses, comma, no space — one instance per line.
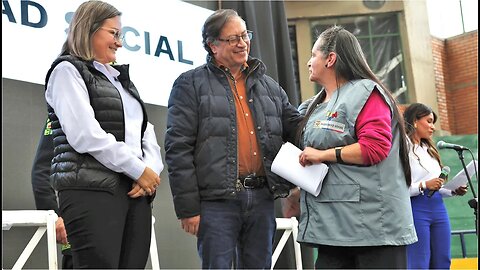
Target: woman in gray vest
(362,217)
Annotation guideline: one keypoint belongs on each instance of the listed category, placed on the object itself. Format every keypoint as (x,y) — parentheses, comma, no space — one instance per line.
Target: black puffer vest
(70,169)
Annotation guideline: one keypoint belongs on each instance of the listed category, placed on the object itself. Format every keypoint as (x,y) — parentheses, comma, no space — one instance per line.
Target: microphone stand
(473,203)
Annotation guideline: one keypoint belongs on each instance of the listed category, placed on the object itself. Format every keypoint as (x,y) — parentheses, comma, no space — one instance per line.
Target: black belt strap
(251,181)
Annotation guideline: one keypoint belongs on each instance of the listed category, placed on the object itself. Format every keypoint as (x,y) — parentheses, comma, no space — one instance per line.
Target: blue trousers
(432,251)
(237,232)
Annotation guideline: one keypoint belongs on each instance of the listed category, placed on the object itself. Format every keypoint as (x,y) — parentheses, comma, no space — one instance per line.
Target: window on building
(380,39)
(292,31)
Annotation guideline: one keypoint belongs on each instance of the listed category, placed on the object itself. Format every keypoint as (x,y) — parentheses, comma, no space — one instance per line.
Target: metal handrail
(462,233)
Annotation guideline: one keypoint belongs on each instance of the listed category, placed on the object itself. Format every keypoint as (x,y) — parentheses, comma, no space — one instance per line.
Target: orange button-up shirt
(249,153)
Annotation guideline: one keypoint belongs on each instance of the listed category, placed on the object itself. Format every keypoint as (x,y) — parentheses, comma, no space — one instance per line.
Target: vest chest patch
(329,125)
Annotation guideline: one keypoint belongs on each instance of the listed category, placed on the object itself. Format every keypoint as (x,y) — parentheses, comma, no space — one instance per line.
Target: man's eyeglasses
(117,35)
(234,40)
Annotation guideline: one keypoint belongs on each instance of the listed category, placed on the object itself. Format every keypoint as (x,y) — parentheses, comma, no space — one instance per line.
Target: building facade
(395,37)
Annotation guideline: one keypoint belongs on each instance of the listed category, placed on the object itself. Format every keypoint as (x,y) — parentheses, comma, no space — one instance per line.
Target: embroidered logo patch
(330,125)
(331,115)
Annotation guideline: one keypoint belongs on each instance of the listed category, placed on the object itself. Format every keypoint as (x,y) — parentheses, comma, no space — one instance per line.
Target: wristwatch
(338,154)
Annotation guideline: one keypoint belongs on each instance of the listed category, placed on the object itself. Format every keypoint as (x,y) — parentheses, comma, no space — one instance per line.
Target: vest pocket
(339,193)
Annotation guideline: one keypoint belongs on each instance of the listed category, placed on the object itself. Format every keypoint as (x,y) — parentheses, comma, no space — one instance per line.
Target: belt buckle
(247,178)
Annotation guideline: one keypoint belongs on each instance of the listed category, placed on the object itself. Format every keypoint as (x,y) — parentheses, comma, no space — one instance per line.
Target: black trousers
(107,230)
(374,257)
(67,261)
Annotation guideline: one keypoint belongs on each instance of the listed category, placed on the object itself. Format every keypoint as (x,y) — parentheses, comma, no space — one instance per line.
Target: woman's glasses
(117,35)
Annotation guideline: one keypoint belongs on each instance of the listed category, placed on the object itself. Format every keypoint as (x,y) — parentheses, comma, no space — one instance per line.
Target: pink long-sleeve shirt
(373,128)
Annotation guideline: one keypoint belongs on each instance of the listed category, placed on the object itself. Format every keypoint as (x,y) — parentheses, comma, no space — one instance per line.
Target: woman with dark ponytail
(362,217)
(432,251)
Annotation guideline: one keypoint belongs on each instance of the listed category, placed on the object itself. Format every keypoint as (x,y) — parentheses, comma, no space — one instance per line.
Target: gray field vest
(358,205)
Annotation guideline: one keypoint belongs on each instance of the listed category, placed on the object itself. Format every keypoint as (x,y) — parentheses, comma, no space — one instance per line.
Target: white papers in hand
(461,179)
(286,164)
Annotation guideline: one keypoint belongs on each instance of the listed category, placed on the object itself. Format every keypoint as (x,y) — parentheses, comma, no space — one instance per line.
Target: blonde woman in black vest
(107,159)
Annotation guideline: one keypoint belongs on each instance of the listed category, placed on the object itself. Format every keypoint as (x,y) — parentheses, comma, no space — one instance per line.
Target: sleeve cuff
(136,169)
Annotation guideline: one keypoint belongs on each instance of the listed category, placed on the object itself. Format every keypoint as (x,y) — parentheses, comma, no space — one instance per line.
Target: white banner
(162,40)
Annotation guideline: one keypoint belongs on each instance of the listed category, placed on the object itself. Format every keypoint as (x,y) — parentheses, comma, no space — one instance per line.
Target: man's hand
(190,225)
(61,232)
(291,204)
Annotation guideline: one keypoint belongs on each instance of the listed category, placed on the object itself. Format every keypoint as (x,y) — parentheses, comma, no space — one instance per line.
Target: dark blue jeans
(242,228)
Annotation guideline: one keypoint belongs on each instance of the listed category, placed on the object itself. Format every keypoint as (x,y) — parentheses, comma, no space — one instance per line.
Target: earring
(415,125)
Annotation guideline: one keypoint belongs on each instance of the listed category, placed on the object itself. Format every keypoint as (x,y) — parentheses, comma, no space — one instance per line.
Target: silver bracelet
(421,187)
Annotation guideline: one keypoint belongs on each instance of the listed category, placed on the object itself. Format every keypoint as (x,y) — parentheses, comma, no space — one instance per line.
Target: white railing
(153,248)
(45,221)
(290,225)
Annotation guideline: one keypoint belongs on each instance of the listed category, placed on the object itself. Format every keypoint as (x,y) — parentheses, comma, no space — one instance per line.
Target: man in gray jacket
(226,122)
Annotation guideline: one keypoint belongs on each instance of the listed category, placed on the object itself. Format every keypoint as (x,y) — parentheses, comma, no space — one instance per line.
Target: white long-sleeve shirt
(67,94)
(424,167)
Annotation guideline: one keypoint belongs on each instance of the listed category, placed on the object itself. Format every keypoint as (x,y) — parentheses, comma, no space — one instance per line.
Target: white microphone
(444,145)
